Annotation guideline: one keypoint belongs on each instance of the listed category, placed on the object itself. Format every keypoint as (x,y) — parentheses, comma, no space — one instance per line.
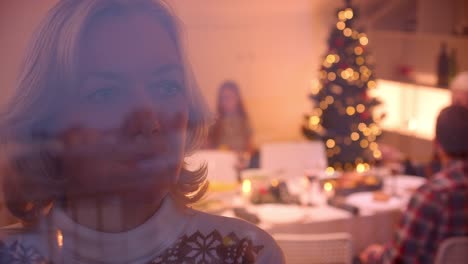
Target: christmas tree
(342,115)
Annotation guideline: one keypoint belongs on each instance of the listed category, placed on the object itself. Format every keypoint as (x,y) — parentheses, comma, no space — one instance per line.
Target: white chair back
(453,251)
(221,164)
(293,156)
(316,248)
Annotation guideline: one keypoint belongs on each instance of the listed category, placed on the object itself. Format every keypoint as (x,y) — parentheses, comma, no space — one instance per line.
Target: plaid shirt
(437,210)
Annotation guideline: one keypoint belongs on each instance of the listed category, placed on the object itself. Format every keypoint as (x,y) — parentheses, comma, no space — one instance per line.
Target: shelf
(420,35)
(431,16)
(417,52)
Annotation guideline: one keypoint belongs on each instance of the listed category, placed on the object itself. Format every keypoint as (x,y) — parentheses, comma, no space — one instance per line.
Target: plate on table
(405,185)
(366,201)
(279,213)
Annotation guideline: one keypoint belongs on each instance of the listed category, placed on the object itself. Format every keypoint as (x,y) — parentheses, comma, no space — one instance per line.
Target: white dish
(279,213)
(365,201)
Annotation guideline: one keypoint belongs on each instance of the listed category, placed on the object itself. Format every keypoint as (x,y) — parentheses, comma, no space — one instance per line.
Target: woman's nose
(141,122)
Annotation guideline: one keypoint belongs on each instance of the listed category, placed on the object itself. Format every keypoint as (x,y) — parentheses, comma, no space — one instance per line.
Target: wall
(270,48)
(17,20)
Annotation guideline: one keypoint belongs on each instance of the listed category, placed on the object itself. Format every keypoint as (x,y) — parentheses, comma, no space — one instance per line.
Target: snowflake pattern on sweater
(17,253)
(212,248)
(196,248)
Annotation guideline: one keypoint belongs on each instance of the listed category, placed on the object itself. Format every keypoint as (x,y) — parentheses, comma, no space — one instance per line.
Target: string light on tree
(345,121)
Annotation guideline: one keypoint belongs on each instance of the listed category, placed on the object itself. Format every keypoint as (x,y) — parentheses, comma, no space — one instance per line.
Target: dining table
(376,221)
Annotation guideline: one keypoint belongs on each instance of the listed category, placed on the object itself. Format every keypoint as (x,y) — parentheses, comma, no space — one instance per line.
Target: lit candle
(59,238)
(328,189)
(246,188)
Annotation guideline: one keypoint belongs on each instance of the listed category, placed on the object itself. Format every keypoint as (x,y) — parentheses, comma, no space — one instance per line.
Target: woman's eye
(167,88)
(102,95)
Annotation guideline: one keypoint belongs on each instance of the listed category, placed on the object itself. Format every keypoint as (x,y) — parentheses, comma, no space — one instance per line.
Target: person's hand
(371,253)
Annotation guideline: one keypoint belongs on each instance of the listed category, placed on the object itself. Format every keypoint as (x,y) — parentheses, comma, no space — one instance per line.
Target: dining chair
(293,156)
(316,248)
(453,251)
(221,164)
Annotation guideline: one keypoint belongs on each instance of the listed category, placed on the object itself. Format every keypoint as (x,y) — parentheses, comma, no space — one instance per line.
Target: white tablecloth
(271,214)
(376,222)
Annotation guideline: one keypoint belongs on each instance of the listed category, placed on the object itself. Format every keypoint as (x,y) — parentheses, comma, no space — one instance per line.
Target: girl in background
(232,129)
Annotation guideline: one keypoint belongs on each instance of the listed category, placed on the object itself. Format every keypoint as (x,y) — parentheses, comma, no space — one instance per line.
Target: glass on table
(312,195)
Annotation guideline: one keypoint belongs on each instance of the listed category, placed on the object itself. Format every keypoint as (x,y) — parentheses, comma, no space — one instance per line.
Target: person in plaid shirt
(438,209)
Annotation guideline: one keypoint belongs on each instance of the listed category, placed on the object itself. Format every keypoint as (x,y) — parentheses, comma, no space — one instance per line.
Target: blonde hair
(49,68)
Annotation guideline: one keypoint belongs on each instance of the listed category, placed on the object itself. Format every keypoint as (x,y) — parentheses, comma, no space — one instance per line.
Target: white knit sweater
(171,235)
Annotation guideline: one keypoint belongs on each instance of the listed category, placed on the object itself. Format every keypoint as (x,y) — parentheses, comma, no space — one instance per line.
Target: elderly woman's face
(131,90)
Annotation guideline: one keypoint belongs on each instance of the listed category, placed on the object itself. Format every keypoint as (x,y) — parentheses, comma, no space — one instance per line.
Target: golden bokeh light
(356,75)
(330,143)
(348,73)
(329,170)
(362,126)
(329,99)
(371,84)
(341,16)
(364,70)
(358,50)
(364,40)
(330,58)
(348,13)
(360,60)
(377,154)
(366,132)
(314,120)
(331,76)
(348,32)
(360,168)
(340,25)
(350,110)
(354,136)
(317,111)
(366,166)
(337,58)
(360,108)
(323,105)
(345,75)
(336,89)
(364,143)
